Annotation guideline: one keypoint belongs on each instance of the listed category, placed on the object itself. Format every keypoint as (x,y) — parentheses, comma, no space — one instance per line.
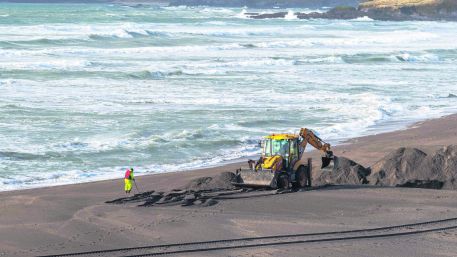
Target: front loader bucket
(260,178)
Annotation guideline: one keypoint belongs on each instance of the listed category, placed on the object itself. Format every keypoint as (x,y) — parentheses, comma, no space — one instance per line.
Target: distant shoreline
(339,9)
(382,14)
(259,4)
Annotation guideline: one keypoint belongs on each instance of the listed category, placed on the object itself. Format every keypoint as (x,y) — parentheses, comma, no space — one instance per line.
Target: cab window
(267,147)
(280,147)
(293,150)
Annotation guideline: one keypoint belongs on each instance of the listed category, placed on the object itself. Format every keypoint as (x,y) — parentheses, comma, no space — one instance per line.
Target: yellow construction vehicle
(283,162)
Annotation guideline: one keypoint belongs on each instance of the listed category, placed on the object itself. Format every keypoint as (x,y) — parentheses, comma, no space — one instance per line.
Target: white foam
(327,59)
(290,15)
(214,10)
(218,23)
(242,14)
(363,19)
(45,65)
(407,57)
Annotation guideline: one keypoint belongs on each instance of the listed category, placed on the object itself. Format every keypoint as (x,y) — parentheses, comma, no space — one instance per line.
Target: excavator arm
(308,137)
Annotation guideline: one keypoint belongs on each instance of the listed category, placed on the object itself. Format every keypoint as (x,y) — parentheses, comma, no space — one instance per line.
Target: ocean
(87,90)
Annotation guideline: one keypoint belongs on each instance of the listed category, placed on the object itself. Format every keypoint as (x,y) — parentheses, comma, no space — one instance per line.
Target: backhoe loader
(283,161)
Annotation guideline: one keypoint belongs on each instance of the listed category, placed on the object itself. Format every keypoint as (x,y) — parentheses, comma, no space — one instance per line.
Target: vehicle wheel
(283,181)
(301,177)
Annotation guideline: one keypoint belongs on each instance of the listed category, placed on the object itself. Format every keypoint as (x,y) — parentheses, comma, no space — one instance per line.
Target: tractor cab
(280,149)
(283,161)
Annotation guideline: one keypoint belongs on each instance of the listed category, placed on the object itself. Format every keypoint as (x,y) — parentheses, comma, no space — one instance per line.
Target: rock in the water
(410,167)
(341,12)
(393,10)
(345,172)
(265,4)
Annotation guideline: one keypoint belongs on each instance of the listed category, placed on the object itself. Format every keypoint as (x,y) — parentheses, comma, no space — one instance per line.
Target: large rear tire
(301,177)
(283,181)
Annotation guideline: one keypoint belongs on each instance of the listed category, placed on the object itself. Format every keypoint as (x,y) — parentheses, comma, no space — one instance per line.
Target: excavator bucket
(326,161)
(329,163)
(259,178)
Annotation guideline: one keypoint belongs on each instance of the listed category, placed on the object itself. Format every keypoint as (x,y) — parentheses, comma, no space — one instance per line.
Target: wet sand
(73,218)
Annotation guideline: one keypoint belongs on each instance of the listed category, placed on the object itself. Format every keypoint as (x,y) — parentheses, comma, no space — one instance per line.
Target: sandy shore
(73,218)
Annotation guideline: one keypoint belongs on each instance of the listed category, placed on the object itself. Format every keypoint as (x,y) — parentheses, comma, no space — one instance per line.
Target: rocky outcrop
(395,10)
(267,3)
(340,13)
(411,9)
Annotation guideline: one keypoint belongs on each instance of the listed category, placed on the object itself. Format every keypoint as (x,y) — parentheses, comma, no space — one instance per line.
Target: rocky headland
(395,10)
(267,3)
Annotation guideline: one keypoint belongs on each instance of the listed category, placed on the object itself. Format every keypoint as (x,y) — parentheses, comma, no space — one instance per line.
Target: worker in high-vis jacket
(128,178)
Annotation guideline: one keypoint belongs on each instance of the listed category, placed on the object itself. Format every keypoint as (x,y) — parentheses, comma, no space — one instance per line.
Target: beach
(184,94)
(74,218)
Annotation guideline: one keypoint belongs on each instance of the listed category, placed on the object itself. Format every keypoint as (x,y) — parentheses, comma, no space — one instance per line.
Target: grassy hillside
(418,9)
(395,4)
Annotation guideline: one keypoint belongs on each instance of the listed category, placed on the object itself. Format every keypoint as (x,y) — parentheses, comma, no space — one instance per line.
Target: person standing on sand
(128,180)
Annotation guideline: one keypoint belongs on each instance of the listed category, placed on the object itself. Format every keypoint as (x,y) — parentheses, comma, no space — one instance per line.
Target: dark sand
(76,218)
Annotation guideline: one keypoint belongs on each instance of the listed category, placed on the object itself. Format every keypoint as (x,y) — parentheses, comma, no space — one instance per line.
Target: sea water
(87,90)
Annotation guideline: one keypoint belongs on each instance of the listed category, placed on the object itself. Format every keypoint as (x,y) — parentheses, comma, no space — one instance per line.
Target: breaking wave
(364,18)
(208,67)
(290,15)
